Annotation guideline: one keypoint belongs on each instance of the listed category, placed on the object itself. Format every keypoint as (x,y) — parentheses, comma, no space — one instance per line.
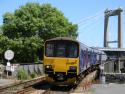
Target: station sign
(10,68)
(9,55)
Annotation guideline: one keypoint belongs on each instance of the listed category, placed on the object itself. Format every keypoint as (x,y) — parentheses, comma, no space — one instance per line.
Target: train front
(61,60)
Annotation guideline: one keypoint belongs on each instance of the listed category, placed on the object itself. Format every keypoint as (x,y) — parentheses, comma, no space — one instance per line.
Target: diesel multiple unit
(65,59)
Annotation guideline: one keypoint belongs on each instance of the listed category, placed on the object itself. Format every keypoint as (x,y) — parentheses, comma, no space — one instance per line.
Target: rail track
(58,90)
(86,82)
(40,86)
(21,87)
(89,76)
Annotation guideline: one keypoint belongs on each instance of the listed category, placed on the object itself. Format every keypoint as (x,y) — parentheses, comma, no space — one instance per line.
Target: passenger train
(66,59)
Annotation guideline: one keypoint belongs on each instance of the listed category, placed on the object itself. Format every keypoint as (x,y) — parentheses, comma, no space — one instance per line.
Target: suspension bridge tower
(108,13)
(115,63)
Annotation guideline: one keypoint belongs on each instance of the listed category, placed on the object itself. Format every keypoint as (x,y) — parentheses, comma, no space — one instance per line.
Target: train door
(81,65)
(95,58)
(86,58)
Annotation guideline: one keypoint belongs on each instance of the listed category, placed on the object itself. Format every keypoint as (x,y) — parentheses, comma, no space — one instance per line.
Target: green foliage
(25,49)
(33,75)
(25,30)
(3,43)
(33,18)
(22,75)
(1,32)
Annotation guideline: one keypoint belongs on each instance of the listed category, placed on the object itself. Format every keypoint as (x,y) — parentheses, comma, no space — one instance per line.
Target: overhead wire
(89,23)
(83,20)
(91,27)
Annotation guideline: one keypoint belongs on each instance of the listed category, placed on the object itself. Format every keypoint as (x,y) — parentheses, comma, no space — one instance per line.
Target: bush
(22,75)
(33,75)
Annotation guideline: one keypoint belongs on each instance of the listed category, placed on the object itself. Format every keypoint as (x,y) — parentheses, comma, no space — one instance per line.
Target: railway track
(52,89)
(22,87)
(58,90)
(71,90)
(40,86)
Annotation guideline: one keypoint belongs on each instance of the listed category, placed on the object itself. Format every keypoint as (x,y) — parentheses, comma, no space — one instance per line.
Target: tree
(1,31)
(25,49)
(29,26)
(45,20)
(3,45)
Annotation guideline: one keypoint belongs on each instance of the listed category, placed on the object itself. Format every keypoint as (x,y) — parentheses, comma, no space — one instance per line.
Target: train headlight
(48,66)
(72,68)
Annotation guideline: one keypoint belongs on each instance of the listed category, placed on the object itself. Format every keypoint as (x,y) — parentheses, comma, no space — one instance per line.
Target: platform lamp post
(9,55)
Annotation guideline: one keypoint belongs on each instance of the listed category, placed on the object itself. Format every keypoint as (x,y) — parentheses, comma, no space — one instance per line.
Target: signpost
(9,55)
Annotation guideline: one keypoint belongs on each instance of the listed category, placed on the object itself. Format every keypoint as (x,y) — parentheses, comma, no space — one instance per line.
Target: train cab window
(50,49)
(73,50)
(61,50)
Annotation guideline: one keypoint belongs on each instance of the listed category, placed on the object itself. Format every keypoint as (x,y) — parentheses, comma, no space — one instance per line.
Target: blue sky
(79,11)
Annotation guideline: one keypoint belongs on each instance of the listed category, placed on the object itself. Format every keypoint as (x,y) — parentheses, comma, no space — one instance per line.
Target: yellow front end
(61,59)
(56,66)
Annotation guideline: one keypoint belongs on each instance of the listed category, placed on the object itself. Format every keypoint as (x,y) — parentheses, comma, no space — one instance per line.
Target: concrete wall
(109,67)
(34,68)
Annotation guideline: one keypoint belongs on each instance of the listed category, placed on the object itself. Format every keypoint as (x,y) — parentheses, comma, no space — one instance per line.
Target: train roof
(63,38)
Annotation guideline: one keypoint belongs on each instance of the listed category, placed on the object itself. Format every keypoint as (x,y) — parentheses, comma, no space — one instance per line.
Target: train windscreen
(61,48)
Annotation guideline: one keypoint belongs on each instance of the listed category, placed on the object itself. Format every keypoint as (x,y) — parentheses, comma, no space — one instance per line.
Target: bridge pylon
(108,13)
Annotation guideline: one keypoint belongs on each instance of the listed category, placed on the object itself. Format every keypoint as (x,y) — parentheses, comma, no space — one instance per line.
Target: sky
(88,14)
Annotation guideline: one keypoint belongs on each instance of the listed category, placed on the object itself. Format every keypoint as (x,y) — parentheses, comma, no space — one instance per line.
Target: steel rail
(20,87)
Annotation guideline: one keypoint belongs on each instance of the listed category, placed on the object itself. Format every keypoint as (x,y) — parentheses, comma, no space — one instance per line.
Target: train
(65,59)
